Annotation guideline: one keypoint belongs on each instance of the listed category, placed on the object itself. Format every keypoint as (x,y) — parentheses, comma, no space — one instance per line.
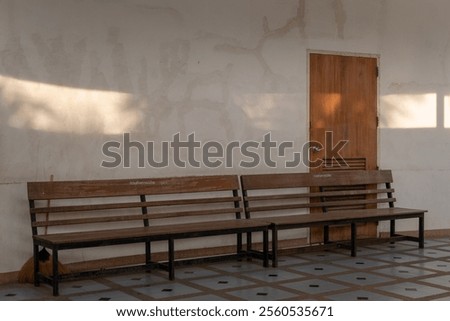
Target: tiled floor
(380,272)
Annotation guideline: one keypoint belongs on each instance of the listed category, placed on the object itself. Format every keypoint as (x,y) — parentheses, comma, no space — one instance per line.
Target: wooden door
(343,121)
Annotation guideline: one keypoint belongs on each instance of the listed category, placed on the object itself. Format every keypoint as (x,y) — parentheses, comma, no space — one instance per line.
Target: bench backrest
(108,204)
(292,193)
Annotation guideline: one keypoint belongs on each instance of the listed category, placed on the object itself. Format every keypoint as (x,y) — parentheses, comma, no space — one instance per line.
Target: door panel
(343,110)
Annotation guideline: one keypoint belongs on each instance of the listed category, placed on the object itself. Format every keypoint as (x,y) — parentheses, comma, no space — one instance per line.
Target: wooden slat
(130,187)
(110,206)
(346,216)
(141,232)
(138,217)
(279,207)
(317,194)
(295,180)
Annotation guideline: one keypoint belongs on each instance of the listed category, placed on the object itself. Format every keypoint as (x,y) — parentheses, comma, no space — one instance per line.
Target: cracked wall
(76,74)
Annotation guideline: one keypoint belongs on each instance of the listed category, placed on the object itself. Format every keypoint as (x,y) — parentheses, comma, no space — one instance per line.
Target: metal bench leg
(55,278)
(326,234)
(266,248)
(353,239)
(421,232)
(148,255)
(392,228)
(239,243)
(36,264)
(171,259)
(274,245)
(249,240)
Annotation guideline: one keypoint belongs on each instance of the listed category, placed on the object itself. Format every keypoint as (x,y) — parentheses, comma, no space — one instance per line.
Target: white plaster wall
(76,74)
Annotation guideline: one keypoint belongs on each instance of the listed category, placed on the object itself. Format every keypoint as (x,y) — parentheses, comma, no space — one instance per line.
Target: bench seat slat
(341,217)
(157,232)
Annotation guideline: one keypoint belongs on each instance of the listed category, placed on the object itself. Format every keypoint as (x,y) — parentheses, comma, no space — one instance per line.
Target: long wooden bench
(95,213)
(305,200)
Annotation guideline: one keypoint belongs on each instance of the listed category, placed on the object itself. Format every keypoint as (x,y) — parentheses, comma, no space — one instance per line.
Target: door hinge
(377,71)
(378,121)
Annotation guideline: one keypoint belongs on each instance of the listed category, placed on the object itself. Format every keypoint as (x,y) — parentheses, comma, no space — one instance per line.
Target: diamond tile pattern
(380,272)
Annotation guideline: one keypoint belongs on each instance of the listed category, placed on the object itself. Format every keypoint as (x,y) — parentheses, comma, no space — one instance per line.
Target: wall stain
(121,73)
(301,12)
(97,78)
(142,83)
(340,17)
(13,59)
(173,61)
(62,67)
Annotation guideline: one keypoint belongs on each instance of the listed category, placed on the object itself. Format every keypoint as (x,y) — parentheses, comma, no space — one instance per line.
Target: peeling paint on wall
(270,80)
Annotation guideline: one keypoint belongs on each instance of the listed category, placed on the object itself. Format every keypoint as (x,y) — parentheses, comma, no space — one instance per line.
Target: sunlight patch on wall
(447,112)
(408,111)
(61,109)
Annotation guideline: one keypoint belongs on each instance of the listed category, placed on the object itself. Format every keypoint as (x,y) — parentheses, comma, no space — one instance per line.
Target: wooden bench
(99,213)
(305,200)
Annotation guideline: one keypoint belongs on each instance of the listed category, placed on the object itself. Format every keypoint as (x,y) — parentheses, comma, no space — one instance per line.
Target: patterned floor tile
(263,294)
(273,275)
(412,290)
(291,260)
(319,269)
(194,272)
(167,291)
(236,266)
(104,296)
(431,253)
(362,278)
(397,257)
(434,265)
(222,282)
(443,280)
(404,272)
(367,251)
(314,286)
(21,292)
(394,247)
(138,279)
(82,286)
(323,256)
(361,263)
(205,297)
(360,295)
(436,242)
